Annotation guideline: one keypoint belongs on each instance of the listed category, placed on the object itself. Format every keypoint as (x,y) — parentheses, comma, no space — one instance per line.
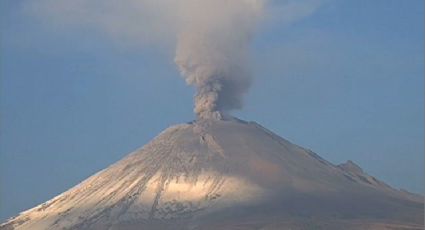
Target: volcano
(226,174)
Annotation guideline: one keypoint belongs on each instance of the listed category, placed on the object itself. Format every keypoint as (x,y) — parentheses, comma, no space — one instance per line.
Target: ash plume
(211,37)
(212,53)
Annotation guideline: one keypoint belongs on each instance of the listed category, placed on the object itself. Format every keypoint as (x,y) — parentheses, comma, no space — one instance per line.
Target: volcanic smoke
(212,53)
(211,38)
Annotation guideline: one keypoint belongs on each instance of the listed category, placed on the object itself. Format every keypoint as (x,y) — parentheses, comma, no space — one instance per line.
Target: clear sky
(345,81)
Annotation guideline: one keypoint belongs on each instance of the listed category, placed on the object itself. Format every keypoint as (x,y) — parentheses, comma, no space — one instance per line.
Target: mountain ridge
(229,171)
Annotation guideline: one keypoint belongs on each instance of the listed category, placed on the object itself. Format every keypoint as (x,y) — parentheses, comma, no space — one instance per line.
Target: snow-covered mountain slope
(226,174)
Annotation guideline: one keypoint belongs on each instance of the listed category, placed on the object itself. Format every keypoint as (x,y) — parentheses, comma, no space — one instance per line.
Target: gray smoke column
(212,52)
(211,38)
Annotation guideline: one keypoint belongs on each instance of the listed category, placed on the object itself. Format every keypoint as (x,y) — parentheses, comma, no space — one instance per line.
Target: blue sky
(345,81)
